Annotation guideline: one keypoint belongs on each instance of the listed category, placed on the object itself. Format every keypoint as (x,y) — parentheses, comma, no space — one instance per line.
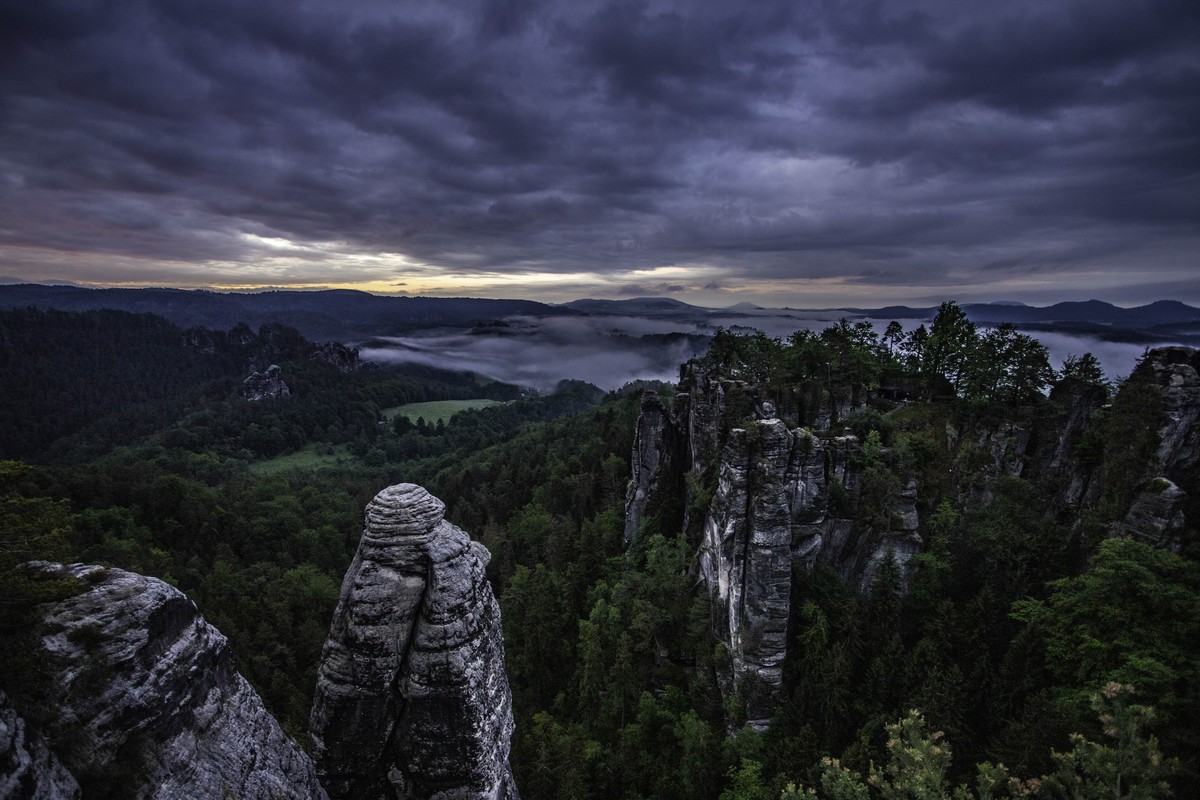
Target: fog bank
(606,351)
(610,351)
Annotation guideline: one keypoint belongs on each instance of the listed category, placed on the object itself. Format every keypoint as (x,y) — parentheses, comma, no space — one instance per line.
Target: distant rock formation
(266,385)
(273,342)
(412,700)
(338,356)
(763,496)
(778,498)
(135,690)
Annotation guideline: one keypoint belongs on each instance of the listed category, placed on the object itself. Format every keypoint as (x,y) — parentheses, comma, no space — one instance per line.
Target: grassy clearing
(307,458)
(433,411)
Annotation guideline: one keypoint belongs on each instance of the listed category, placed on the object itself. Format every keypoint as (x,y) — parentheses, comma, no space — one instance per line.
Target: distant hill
(637,307)
(1161,321)
(333,314)
(352,316)
(1097,312)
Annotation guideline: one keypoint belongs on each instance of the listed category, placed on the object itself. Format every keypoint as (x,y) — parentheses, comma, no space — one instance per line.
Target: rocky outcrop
(274,343)
(29,770)
(265,385)
(651,453)
(777,497)
(1176,372)
(412,700)
(764,496)
(786,499)
(988,453)
(136,690)
(1075,404)
(745,559)
(338,356)
(1156,514)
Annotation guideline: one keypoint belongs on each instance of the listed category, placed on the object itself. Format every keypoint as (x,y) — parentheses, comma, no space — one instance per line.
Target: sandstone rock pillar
(412,700)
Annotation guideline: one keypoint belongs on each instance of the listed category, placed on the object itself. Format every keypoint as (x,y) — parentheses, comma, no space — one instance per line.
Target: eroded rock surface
(412,700)
(29,770)
(138,691)
(1156,514)
(651,453)
(786,498)
(765,495)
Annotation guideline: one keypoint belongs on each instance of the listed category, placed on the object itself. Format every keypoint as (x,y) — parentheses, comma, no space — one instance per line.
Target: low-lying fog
(539,352)
(610,351)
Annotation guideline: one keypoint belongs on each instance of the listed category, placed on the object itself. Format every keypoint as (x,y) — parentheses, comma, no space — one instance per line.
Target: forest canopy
(991,665)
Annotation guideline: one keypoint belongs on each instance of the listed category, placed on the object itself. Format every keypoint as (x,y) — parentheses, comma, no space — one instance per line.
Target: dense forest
(1026,651)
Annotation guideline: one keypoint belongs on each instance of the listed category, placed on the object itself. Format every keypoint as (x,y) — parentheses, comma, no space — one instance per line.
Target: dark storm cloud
(884,143)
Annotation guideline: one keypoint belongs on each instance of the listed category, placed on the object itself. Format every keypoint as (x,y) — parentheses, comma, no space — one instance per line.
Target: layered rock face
(412,700)
(1156,514)
(787,497)
(29,770)
(770,513)
(745,559)
(651,454)
(137,691)
(783,498)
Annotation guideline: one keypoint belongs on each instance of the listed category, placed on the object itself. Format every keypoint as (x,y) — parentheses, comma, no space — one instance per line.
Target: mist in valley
(611,351)
(608,352)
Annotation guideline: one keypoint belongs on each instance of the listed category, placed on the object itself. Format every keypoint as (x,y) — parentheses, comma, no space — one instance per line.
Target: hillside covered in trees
(1015,582)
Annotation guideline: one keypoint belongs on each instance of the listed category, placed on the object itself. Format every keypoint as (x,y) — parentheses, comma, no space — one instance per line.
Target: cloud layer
(798,153)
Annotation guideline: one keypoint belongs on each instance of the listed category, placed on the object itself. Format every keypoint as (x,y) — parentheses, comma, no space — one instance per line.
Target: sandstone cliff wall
(785,497)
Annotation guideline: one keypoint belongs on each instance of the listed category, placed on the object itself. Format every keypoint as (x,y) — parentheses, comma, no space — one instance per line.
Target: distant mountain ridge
(1096,312)
(637,306)
(349,315)
(1161,312)
(340,314)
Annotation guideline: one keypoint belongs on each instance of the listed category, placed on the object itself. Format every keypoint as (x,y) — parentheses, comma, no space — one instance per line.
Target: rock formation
(136,690)
(764,496)
(781,497)
(1156,515)
(745,559)
(1176,373)
(266,385)
(338,356)
(412,700)
(29,770)
(772,511)
(651,454)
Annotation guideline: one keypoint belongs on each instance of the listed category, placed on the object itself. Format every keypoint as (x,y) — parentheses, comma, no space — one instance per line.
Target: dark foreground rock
(137,696)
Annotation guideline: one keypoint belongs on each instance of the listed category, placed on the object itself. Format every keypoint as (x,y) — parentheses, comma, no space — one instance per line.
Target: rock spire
(412,699)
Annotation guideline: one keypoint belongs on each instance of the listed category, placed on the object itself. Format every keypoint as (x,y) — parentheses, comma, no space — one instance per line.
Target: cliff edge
(135,693)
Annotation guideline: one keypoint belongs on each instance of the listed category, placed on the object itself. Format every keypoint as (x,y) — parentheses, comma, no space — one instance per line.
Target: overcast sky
(782,152)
